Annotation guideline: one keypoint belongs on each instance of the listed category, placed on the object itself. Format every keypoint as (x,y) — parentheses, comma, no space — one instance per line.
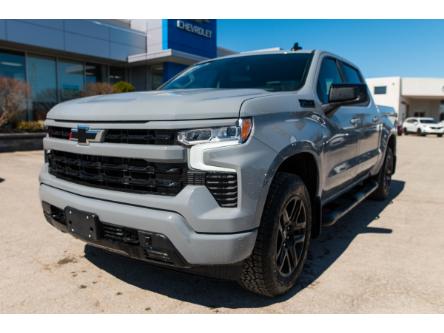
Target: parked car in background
(422,126)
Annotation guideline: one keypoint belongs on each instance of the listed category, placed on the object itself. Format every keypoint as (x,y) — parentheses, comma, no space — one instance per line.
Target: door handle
(354,121)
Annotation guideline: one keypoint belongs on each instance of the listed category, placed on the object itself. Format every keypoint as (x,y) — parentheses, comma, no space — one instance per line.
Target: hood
(187,104)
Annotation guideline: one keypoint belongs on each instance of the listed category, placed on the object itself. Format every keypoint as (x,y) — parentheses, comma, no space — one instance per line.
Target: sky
(409,48)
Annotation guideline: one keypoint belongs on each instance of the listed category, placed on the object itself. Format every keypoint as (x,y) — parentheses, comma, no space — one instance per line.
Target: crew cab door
(341,146)
(368,123)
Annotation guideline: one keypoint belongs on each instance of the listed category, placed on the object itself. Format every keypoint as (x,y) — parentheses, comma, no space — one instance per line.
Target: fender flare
(289,151)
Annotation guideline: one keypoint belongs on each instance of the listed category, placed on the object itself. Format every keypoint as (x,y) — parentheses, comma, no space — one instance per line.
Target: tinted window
(116,74)
(273,72)
(381,90)
(328,75)
(427,121)
(12,65)
(70,79)
(351,74)
(93,73)
(42,79)
(156,76)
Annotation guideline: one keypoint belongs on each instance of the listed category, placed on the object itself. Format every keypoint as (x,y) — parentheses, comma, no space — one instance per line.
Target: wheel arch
(392,143)
(306,164)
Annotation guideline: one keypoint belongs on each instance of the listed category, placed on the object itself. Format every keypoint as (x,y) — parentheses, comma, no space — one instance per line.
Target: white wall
(424,107)
(423,87)
(153,30)
(393,90)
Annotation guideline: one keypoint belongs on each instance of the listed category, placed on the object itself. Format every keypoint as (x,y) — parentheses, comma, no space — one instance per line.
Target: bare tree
(14,97)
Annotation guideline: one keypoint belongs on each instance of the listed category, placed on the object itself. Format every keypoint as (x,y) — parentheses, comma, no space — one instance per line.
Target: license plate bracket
(82,224)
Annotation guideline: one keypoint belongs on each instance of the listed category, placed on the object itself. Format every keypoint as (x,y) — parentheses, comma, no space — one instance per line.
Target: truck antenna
(296,47)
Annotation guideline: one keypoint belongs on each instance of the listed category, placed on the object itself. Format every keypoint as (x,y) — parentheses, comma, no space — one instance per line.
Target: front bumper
(188,248)
(429,130)
(202,232)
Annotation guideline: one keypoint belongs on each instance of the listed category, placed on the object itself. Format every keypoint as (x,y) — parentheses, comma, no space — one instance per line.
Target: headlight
(239,133)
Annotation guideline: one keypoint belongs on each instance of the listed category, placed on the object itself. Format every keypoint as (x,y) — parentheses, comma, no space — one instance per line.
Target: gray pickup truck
(239,160)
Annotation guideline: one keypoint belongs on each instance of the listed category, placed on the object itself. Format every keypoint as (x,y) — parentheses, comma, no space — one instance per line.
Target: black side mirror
(346,94)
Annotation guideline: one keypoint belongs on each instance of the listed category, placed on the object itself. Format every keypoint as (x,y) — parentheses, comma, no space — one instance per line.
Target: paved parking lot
(382,258)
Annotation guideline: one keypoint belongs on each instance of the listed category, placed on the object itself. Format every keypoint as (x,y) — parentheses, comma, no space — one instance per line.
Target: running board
(333,211)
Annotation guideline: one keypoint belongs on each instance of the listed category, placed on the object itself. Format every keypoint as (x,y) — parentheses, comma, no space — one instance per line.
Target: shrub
(101,88)
(14,98)
(98,88)
(31,126)
(123,86)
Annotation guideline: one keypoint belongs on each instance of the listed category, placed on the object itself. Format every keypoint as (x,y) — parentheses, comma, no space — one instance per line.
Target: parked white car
(422,126)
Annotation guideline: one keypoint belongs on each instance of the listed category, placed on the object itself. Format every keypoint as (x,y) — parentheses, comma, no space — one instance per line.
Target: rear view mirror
(346,94)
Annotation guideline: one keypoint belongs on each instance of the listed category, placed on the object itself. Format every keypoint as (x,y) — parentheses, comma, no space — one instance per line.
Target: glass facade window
(71,79)
(43,82)
(156,76)
(12,65)
(116,74)
(93,73)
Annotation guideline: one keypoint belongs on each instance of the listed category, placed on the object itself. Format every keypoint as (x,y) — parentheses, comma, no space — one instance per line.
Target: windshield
(272,72)
(427,121)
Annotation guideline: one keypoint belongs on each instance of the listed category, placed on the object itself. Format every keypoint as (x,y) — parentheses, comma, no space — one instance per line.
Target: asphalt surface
(384,257)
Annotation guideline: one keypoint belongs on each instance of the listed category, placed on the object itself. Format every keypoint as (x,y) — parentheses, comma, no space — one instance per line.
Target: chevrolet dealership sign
(193,28)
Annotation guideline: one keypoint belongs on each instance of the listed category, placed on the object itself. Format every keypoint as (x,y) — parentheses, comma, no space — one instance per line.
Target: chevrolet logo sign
(84,135)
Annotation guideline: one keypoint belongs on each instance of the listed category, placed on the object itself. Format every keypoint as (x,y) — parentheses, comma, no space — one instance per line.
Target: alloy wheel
(291,236)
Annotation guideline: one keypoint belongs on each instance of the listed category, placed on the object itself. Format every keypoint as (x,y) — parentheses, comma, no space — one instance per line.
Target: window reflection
(116,74)
(93,73)
(71,80)
(42,79)
(12,65)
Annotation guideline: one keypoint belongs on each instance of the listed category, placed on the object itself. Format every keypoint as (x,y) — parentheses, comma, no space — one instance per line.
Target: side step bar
(333,211)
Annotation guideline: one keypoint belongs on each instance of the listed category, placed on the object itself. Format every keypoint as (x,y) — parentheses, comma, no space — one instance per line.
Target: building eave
(169,55)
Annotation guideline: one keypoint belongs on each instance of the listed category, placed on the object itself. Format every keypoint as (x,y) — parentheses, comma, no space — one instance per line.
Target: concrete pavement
(384,257)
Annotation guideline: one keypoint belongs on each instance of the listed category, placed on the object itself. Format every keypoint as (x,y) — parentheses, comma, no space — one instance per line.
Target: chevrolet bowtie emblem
(84,135)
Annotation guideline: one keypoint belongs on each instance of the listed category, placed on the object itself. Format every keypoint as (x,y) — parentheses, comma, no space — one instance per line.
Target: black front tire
(406,132)
(420,132)
(439,135)
(283,239)
(384,177)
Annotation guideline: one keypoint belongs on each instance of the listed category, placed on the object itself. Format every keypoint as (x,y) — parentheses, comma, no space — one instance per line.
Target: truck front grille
(119,234)
(141,137)
(59,132)
(116,173)
(126,136)
(140,176)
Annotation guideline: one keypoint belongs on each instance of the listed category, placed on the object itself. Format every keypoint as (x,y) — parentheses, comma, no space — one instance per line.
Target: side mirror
(346,94)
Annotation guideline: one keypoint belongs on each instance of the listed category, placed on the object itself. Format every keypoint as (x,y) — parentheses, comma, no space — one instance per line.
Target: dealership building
(58,58)
(410,97)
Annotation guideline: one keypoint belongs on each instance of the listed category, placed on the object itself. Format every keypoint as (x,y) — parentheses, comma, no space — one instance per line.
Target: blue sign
(192,36)
(196,37)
